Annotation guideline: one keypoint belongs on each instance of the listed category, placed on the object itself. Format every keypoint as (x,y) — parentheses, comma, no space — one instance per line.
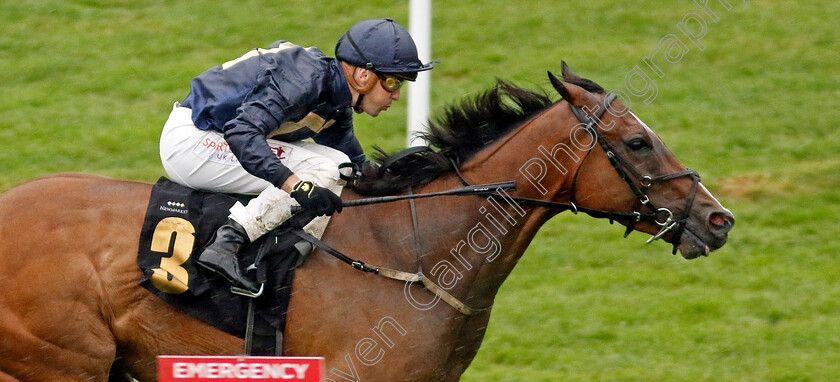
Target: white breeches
(202,160)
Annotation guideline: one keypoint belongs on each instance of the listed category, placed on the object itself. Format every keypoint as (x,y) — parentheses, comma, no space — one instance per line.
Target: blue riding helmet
(383,46)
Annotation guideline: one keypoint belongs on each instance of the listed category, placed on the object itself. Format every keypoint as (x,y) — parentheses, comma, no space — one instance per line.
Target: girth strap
(260,338)
(393,274)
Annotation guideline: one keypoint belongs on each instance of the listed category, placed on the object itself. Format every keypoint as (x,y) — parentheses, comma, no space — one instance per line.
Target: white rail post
(420,28)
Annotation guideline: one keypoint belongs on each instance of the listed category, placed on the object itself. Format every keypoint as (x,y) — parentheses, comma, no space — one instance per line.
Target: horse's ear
(567,73)
(557,83)
(573,94)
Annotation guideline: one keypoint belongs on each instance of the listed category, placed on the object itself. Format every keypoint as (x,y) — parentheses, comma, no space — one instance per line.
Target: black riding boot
(220,256)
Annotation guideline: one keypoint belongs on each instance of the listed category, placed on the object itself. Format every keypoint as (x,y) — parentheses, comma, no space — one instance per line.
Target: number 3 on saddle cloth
(179,223)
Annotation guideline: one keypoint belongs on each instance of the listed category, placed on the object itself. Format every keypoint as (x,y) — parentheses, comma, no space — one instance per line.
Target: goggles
(390,84)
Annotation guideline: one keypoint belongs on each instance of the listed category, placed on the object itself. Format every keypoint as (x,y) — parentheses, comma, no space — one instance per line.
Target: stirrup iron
(246,292)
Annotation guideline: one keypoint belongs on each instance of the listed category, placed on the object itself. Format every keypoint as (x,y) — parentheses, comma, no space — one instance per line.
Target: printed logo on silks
(281,152)
(212,146)
(197,368)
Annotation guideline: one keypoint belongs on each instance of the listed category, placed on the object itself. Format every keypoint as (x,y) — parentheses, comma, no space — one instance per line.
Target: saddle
(179,223)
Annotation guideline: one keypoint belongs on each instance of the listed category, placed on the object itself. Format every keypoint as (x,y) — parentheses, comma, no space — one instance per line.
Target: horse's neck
(473,249)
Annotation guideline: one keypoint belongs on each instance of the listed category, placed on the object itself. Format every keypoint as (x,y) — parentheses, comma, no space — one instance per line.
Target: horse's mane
(461,131)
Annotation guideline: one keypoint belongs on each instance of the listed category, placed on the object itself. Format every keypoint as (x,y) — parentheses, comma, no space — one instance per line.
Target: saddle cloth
(179,223)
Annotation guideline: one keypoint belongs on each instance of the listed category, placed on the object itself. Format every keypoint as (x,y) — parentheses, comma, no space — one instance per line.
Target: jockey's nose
(395,95)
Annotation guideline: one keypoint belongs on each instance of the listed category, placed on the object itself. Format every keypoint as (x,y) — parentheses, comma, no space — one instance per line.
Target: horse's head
(628,168)
(625,172)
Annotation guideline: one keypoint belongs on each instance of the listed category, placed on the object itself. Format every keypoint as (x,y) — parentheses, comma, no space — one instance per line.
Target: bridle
(661,216)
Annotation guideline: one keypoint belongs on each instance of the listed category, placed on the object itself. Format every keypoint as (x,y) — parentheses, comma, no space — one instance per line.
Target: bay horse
(71,307)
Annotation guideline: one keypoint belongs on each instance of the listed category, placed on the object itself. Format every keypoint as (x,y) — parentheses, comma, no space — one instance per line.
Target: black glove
(319,200)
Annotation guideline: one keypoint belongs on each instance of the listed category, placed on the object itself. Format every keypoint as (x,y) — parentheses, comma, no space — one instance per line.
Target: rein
(662,216)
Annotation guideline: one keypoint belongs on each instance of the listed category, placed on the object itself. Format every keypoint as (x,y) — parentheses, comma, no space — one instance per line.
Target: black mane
(459,133)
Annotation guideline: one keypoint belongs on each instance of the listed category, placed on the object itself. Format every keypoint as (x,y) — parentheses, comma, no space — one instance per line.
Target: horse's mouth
(691,246)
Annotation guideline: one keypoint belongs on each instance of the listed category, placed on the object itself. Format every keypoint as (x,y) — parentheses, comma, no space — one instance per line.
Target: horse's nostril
(721,221)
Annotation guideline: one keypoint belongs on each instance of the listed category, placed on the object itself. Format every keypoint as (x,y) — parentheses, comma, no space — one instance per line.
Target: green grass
(87,86)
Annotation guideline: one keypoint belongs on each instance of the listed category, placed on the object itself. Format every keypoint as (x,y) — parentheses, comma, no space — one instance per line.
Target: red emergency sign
(202,368)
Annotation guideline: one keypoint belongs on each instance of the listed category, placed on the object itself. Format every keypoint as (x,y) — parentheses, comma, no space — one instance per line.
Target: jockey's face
(378,99)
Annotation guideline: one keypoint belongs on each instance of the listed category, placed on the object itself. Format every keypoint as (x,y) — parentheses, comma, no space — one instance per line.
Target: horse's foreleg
(53,342)
(466,346)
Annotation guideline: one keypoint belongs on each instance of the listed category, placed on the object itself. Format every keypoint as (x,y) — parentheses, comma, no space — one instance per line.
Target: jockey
(241,129)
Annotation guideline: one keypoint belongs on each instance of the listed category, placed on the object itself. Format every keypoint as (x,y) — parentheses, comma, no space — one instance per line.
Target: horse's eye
(637,144)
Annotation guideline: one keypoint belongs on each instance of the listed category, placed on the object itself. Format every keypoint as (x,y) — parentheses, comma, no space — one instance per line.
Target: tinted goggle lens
(391,84)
